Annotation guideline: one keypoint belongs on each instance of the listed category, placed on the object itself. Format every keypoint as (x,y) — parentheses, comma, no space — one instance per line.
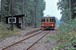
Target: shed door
(20,22)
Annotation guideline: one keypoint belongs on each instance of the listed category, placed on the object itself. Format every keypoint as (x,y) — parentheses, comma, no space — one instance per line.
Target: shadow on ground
(49,30)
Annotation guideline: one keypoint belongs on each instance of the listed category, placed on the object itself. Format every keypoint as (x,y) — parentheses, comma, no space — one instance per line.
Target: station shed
(17,20)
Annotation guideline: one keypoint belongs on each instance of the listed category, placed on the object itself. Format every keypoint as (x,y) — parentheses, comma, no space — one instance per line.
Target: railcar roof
(47,17)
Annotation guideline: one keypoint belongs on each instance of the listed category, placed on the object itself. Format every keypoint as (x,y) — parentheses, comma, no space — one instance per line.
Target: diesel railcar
(48,23)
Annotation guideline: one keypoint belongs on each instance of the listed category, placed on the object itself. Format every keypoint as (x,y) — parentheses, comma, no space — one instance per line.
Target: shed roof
(22,15)
(47,17)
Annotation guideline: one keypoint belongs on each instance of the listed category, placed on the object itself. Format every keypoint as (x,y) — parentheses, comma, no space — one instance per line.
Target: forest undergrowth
(5,31)
(66,36)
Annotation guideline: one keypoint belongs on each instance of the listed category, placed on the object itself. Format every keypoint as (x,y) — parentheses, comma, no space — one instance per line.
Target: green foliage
(6,32)
(31,8)
(67,8)
(63,5)
(66,36)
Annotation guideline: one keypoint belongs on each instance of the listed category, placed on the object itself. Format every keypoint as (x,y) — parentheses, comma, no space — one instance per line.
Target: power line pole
(70,9)
(1,11)
(35,11)
(23,13)
(11,11)
(23,6)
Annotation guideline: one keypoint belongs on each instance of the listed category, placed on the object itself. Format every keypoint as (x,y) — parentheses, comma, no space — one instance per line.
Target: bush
(66,36)
(5,31)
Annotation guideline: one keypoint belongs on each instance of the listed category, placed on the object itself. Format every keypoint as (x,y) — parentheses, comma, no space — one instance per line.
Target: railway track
(37,41)
(28,37)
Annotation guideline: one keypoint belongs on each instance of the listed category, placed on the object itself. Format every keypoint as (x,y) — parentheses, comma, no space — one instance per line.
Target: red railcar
(48,23)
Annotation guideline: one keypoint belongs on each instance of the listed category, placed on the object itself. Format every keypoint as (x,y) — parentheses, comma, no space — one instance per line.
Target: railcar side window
(51,20)
(43,20)
(54,20)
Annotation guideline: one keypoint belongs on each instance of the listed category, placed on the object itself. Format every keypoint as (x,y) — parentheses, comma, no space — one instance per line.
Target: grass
(6,32)
(66,41)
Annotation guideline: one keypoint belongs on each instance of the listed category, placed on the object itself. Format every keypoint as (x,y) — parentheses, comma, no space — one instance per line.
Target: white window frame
(11,18)
(20,20)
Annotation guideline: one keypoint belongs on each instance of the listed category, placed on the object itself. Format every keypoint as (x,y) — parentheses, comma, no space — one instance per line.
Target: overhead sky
(51,9)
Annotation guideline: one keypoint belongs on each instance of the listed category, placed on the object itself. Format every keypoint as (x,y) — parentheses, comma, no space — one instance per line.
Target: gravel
(11,40)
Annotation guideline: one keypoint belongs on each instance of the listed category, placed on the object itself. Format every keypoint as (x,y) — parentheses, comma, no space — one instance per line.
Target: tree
(26,7)
(67,8)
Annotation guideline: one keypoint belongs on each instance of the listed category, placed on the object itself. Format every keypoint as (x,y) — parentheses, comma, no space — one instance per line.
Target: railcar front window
(43,20)
(47,20)
(51,20)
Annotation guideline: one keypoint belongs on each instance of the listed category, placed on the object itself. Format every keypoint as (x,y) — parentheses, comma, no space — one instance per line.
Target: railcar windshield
(48,20)
(43,20)
(52,20)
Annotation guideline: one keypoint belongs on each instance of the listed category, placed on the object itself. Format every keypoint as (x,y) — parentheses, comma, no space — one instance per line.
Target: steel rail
(37,41)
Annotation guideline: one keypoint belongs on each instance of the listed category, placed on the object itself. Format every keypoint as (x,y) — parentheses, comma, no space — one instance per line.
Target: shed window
(10,20)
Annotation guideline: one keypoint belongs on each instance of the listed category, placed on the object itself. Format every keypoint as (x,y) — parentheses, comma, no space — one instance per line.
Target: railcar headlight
(52,25)
(42,25)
